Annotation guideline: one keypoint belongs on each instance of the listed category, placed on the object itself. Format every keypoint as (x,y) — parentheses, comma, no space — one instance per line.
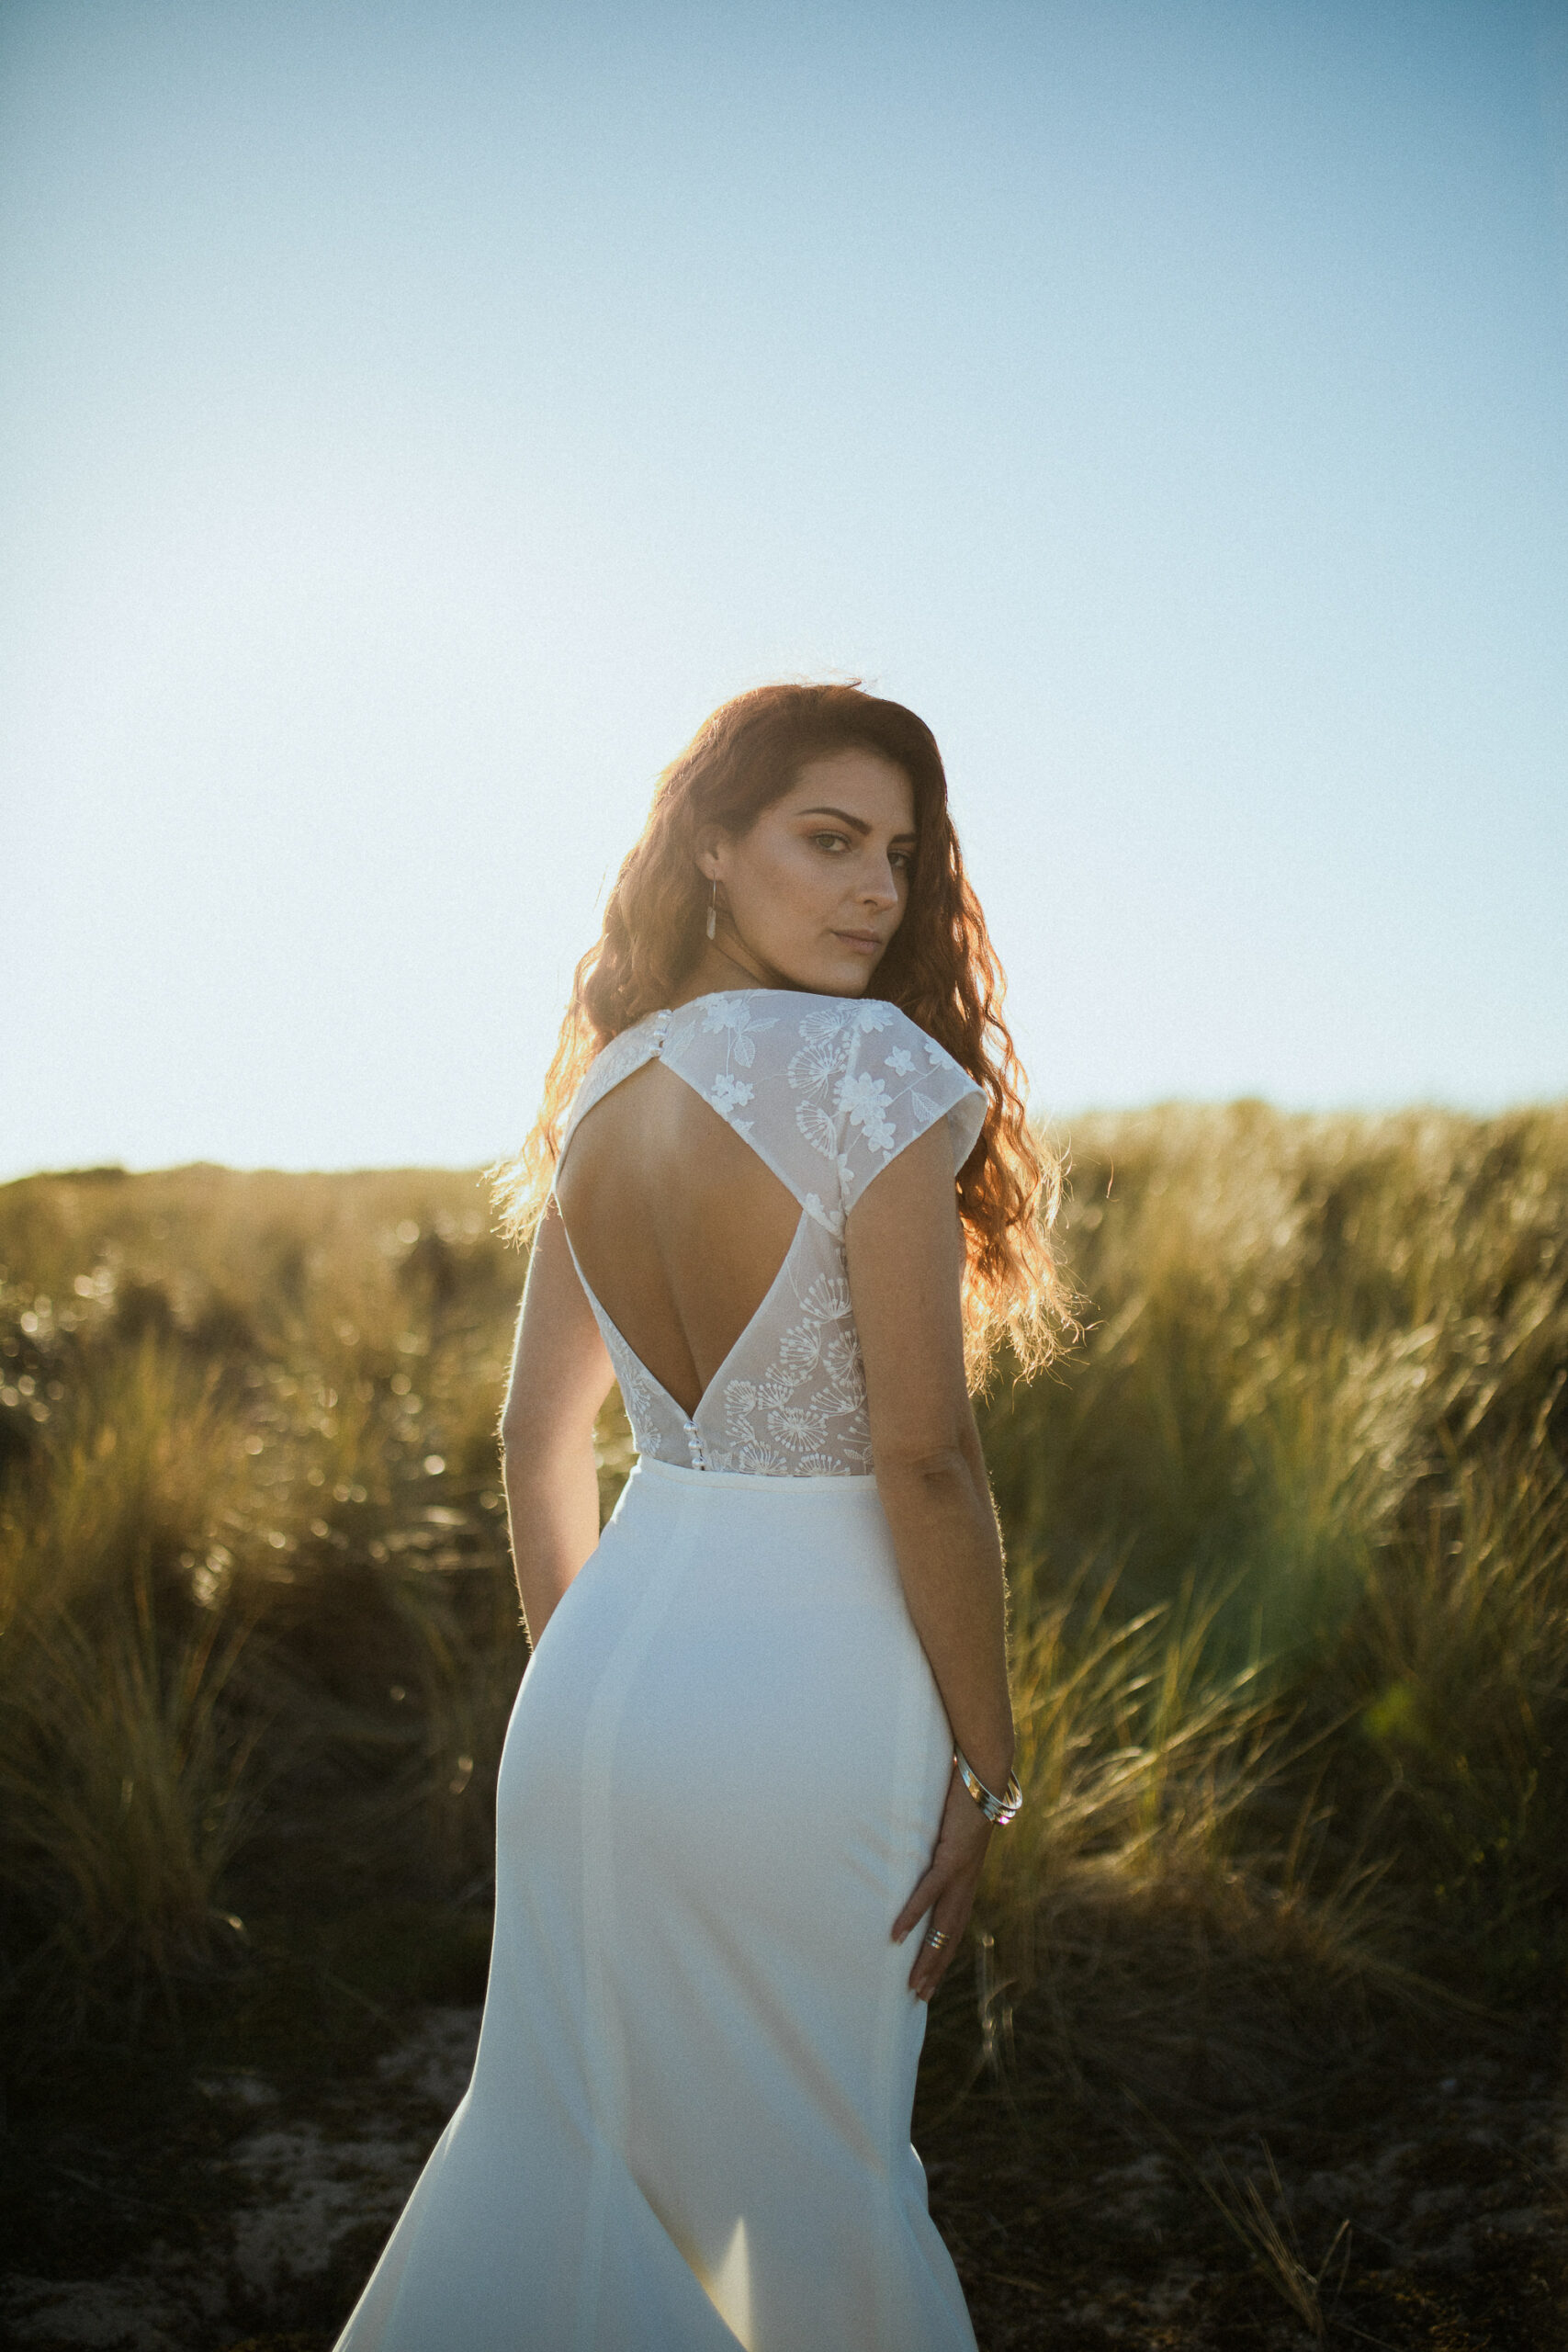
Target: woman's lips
(866,940)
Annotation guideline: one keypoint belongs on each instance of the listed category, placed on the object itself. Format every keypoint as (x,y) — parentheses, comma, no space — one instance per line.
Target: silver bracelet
(997,1810)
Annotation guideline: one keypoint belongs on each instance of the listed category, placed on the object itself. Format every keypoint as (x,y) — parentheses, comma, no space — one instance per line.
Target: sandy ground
(1432,2213)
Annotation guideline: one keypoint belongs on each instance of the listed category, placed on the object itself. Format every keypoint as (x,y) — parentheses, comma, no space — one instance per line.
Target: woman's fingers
(920,1902)
(948,1921)
(944,1898)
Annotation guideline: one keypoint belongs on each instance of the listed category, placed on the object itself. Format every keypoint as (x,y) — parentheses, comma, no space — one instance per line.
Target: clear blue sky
(414,418)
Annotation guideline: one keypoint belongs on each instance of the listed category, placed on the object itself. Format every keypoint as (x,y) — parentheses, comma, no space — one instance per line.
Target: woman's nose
(882,886)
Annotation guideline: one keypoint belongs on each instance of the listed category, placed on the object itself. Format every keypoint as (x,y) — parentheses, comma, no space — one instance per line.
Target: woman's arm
(904,1246)
(561,1376)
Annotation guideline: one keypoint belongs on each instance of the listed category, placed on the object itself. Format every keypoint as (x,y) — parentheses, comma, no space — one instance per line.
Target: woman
(781,1189)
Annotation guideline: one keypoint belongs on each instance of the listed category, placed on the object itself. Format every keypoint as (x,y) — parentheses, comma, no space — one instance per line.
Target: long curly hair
(939,968)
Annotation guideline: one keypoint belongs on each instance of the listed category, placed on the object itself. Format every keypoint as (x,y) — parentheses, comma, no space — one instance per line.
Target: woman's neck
(719,967)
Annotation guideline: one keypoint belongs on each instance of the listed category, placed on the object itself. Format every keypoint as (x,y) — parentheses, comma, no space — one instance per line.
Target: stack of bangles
(997,1810)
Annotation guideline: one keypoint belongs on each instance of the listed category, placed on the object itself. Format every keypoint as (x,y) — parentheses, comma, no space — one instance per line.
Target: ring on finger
(936,1939)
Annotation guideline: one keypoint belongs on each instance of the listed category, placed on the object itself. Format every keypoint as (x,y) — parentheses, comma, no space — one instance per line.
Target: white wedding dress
(688,2126)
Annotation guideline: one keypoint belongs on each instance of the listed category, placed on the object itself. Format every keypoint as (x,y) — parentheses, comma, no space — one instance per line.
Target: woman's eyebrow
(856,824)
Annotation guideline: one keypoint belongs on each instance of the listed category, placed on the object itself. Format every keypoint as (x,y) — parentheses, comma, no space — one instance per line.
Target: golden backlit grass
(1287,1551)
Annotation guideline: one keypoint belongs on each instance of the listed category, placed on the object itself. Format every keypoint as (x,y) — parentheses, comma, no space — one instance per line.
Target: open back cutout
(678,1227)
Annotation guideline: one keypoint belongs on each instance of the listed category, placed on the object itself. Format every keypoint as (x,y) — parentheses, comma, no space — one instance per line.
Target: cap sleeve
(624,1052)
(898,1082)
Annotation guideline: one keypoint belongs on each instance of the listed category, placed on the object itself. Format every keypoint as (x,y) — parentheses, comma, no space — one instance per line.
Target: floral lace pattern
(827,1091)
(777,1425)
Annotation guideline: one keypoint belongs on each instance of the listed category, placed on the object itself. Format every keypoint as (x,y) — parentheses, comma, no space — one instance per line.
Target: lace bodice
(827,1091)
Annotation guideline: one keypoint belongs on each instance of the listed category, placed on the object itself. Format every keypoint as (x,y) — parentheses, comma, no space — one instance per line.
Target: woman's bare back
(679,1227)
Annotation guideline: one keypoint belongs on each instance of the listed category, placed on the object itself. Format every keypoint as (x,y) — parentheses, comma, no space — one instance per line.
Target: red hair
(939,968)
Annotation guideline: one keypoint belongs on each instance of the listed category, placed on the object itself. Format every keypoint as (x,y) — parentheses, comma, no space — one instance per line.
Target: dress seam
(604,2052)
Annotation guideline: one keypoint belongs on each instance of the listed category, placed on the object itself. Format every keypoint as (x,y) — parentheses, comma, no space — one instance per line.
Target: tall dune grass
(1291,1587)
(122,1770)
(1287,1546)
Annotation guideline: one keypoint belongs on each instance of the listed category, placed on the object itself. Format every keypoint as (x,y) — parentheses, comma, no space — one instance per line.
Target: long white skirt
(688,2126)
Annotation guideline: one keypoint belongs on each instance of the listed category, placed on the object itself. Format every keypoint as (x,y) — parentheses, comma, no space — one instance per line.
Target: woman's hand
(947,1890)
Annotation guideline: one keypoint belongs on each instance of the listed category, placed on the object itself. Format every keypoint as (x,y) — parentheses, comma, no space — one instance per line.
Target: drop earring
(712,908)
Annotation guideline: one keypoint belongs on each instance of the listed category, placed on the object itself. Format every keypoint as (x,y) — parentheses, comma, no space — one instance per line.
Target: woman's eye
(901,860)
(829,841)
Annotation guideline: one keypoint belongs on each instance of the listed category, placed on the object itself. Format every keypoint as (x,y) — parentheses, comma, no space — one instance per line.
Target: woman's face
(817,886)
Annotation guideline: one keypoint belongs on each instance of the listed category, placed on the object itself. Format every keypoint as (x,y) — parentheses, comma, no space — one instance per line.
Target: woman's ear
(706,845)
